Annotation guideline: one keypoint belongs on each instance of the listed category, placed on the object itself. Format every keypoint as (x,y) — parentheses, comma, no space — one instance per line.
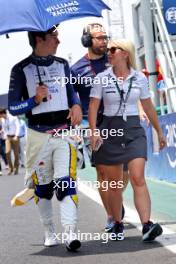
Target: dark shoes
(150,231)
(15,171)
(11,171)
(109,225)
(117,232)
(110,222)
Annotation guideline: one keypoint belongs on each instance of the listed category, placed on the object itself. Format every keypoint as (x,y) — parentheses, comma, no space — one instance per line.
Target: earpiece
(86,39)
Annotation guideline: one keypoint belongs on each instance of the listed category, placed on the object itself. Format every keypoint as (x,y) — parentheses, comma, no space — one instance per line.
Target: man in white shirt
(22,141)
(2,148)
(11,127)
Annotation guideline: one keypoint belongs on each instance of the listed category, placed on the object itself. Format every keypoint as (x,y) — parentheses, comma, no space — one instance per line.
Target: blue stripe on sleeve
(17,87)
(18,108)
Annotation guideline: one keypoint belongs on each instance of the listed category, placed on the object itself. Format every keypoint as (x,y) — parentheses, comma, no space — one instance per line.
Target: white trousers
(49,158)
(22,150)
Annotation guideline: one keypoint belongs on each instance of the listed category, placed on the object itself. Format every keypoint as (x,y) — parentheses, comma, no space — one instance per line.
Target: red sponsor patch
(41,163)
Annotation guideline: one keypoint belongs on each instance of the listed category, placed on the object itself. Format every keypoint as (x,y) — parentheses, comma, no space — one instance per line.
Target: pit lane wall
(162,165)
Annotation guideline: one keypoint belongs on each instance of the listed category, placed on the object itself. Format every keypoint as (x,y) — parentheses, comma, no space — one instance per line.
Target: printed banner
(169,9)
(162,165)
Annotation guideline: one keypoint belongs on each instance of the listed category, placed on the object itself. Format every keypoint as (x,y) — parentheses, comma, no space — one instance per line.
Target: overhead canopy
(41,15)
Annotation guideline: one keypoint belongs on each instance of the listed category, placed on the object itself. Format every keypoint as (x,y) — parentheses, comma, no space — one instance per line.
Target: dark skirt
(127,143)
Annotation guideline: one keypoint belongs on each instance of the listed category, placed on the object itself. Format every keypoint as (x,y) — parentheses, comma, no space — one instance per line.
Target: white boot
(50,236)
(46,216)
(70,238)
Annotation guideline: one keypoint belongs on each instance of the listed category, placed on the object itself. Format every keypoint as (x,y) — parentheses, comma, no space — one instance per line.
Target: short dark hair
(42,34)
(3,110)
(90,26)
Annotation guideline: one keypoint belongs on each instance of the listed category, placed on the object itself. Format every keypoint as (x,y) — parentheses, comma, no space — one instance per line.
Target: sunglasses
(112,50)
(101,38)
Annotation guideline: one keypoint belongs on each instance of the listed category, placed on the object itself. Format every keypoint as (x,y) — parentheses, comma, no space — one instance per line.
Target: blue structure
(162,166)
(169,9)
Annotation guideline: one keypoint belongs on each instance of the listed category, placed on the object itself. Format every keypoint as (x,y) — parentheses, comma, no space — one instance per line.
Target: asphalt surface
(21,235)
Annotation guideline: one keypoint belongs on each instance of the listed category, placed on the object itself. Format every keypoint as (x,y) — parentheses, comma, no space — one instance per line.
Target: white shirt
(2,136)
(104,88)
(11,125)
(54,77)
(23,128)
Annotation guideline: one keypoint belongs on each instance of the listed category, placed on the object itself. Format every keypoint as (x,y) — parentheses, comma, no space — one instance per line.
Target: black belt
(48,119)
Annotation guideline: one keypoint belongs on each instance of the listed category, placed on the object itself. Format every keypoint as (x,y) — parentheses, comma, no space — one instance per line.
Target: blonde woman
(120,94)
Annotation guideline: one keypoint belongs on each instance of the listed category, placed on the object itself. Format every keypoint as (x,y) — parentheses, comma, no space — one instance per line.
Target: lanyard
(122,99)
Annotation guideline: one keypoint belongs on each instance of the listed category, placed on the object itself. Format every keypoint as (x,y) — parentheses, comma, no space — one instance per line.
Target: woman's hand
(162,140)
(96,142)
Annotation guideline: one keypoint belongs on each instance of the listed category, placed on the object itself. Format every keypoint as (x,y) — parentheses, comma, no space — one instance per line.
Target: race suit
(50,159)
